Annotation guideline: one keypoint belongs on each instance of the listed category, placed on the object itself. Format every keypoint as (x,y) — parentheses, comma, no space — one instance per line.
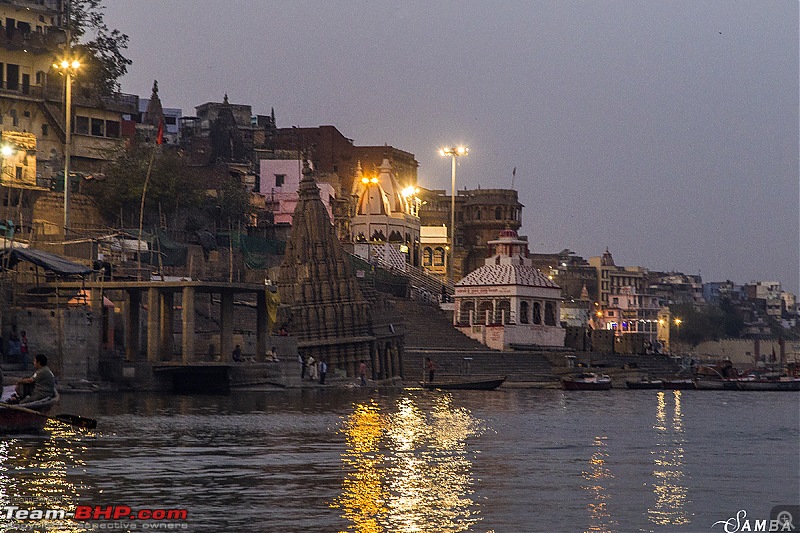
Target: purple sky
(665,131)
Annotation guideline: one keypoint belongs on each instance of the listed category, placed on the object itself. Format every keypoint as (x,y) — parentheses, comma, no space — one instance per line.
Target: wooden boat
(481,384)
(715,384)
(587,381)
(679,384)
(645,383)
(780,384)
(15,418)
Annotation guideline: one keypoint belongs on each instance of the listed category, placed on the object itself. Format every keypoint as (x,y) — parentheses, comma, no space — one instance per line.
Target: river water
(369,461)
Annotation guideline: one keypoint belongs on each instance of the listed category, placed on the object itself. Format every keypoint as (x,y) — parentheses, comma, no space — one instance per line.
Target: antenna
(513,176)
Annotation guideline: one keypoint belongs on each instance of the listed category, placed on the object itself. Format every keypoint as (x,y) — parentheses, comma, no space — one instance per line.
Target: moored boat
(779,384)
(679,384)
(479,384)
(586,381)
(715,384)
(645,383)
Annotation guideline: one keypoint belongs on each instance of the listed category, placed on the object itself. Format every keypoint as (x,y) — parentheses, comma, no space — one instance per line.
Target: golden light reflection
(598,475)
(670,493)
(34,475)
(409,470)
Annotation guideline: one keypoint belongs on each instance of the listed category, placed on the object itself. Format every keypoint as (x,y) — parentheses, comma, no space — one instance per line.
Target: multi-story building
(480,215)
(32,100)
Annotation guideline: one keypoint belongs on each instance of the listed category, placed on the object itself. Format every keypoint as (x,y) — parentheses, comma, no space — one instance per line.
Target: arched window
(427,257)
(523,313)
(478,213)
(498,213)
(465,309)
(503,312)
(438,257)
(549,314)
(537,313)
(485,307)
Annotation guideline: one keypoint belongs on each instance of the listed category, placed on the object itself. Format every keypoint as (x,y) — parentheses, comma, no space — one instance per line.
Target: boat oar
(72,420)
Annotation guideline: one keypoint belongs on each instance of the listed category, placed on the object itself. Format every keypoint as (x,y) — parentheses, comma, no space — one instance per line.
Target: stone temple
(321,302)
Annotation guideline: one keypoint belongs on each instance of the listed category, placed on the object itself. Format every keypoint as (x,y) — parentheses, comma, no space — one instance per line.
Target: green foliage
(173,184)
(706,323)
(231,204)
(99,48)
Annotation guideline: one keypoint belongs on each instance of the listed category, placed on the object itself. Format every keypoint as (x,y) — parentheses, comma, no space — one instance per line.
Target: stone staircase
(428,327)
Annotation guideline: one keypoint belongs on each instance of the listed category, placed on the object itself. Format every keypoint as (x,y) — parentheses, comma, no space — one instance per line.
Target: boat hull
(679,385)
(769,385)
(30,417)
(571,384)
(485,384)
(637,385)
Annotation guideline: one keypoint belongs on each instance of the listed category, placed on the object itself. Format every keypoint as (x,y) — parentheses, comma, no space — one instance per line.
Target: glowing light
(75,64)
(408,191)
(364,180)
(373,180)
(7,150)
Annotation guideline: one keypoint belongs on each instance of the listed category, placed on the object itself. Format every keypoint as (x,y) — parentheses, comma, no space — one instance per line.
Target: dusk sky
(665,131)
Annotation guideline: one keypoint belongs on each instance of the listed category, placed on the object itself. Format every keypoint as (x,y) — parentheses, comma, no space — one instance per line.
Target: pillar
(93,355)
(187,325)
(261,326)
(226,325)
(167,319)
(133,304)
(153,324)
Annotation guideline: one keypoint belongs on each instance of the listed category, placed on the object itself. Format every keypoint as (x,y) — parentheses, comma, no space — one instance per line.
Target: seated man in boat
(41,385)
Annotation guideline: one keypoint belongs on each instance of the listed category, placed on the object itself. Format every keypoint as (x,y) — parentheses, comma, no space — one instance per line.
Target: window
(615,301)
(549,314)
(82,125)
(14,117)
(12,76)
(112,129)
(427,257)
(19,173)
(170,121)
(98,127)
(438,257)
(280,179)
(537,313)
(523,313)
(498,214)
(26,84)
(45,130)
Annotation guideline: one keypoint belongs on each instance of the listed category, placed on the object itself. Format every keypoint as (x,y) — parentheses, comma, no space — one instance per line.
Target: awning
(48,261)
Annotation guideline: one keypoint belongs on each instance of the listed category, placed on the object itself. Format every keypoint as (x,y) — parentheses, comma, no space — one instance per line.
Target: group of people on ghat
(316,370)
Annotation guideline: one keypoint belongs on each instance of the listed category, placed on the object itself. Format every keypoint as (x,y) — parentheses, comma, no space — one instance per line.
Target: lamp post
(453,153)
(69,68)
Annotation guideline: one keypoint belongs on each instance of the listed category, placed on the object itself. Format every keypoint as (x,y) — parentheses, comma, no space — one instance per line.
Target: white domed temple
(508,300)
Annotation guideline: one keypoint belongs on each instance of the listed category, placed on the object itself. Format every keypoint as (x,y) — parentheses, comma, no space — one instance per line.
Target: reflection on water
(34,473)
(409,469)
(598,475)
(669,488)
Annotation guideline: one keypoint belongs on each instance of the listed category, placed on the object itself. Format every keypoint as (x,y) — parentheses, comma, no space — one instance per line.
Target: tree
(101,55)
(174,186)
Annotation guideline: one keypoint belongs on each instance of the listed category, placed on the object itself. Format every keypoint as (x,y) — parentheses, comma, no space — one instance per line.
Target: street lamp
(453,153)
(69,67)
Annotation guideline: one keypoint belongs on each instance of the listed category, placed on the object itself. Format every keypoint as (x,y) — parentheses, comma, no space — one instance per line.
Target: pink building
(279,182)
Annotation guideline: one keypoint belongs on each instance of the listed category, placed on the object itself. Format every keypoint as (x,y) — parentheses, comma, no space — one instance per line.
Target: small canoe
(482,384)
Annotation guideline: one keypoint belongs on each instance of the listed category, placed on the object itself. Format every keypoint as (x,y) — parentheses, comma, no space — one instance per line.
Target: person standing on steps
(362,372)
(431,368)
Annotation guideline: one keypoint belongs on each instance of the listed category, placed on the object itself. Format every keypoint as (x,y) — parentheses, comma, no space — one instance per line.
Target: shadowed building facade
(321,302)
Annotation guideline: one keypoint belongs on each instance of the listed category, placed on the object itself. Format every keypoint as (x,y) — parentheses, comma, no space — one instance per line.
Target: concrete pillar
(187,325)
(226,324)
(133,303)
(153,324)
(93,355)
(167,319)
(261,325)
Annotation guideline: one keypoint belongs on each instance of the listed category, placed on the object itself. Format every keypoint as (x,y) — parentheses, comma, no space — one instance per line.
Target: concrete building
(508,301)
(480,215)
(279,182)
